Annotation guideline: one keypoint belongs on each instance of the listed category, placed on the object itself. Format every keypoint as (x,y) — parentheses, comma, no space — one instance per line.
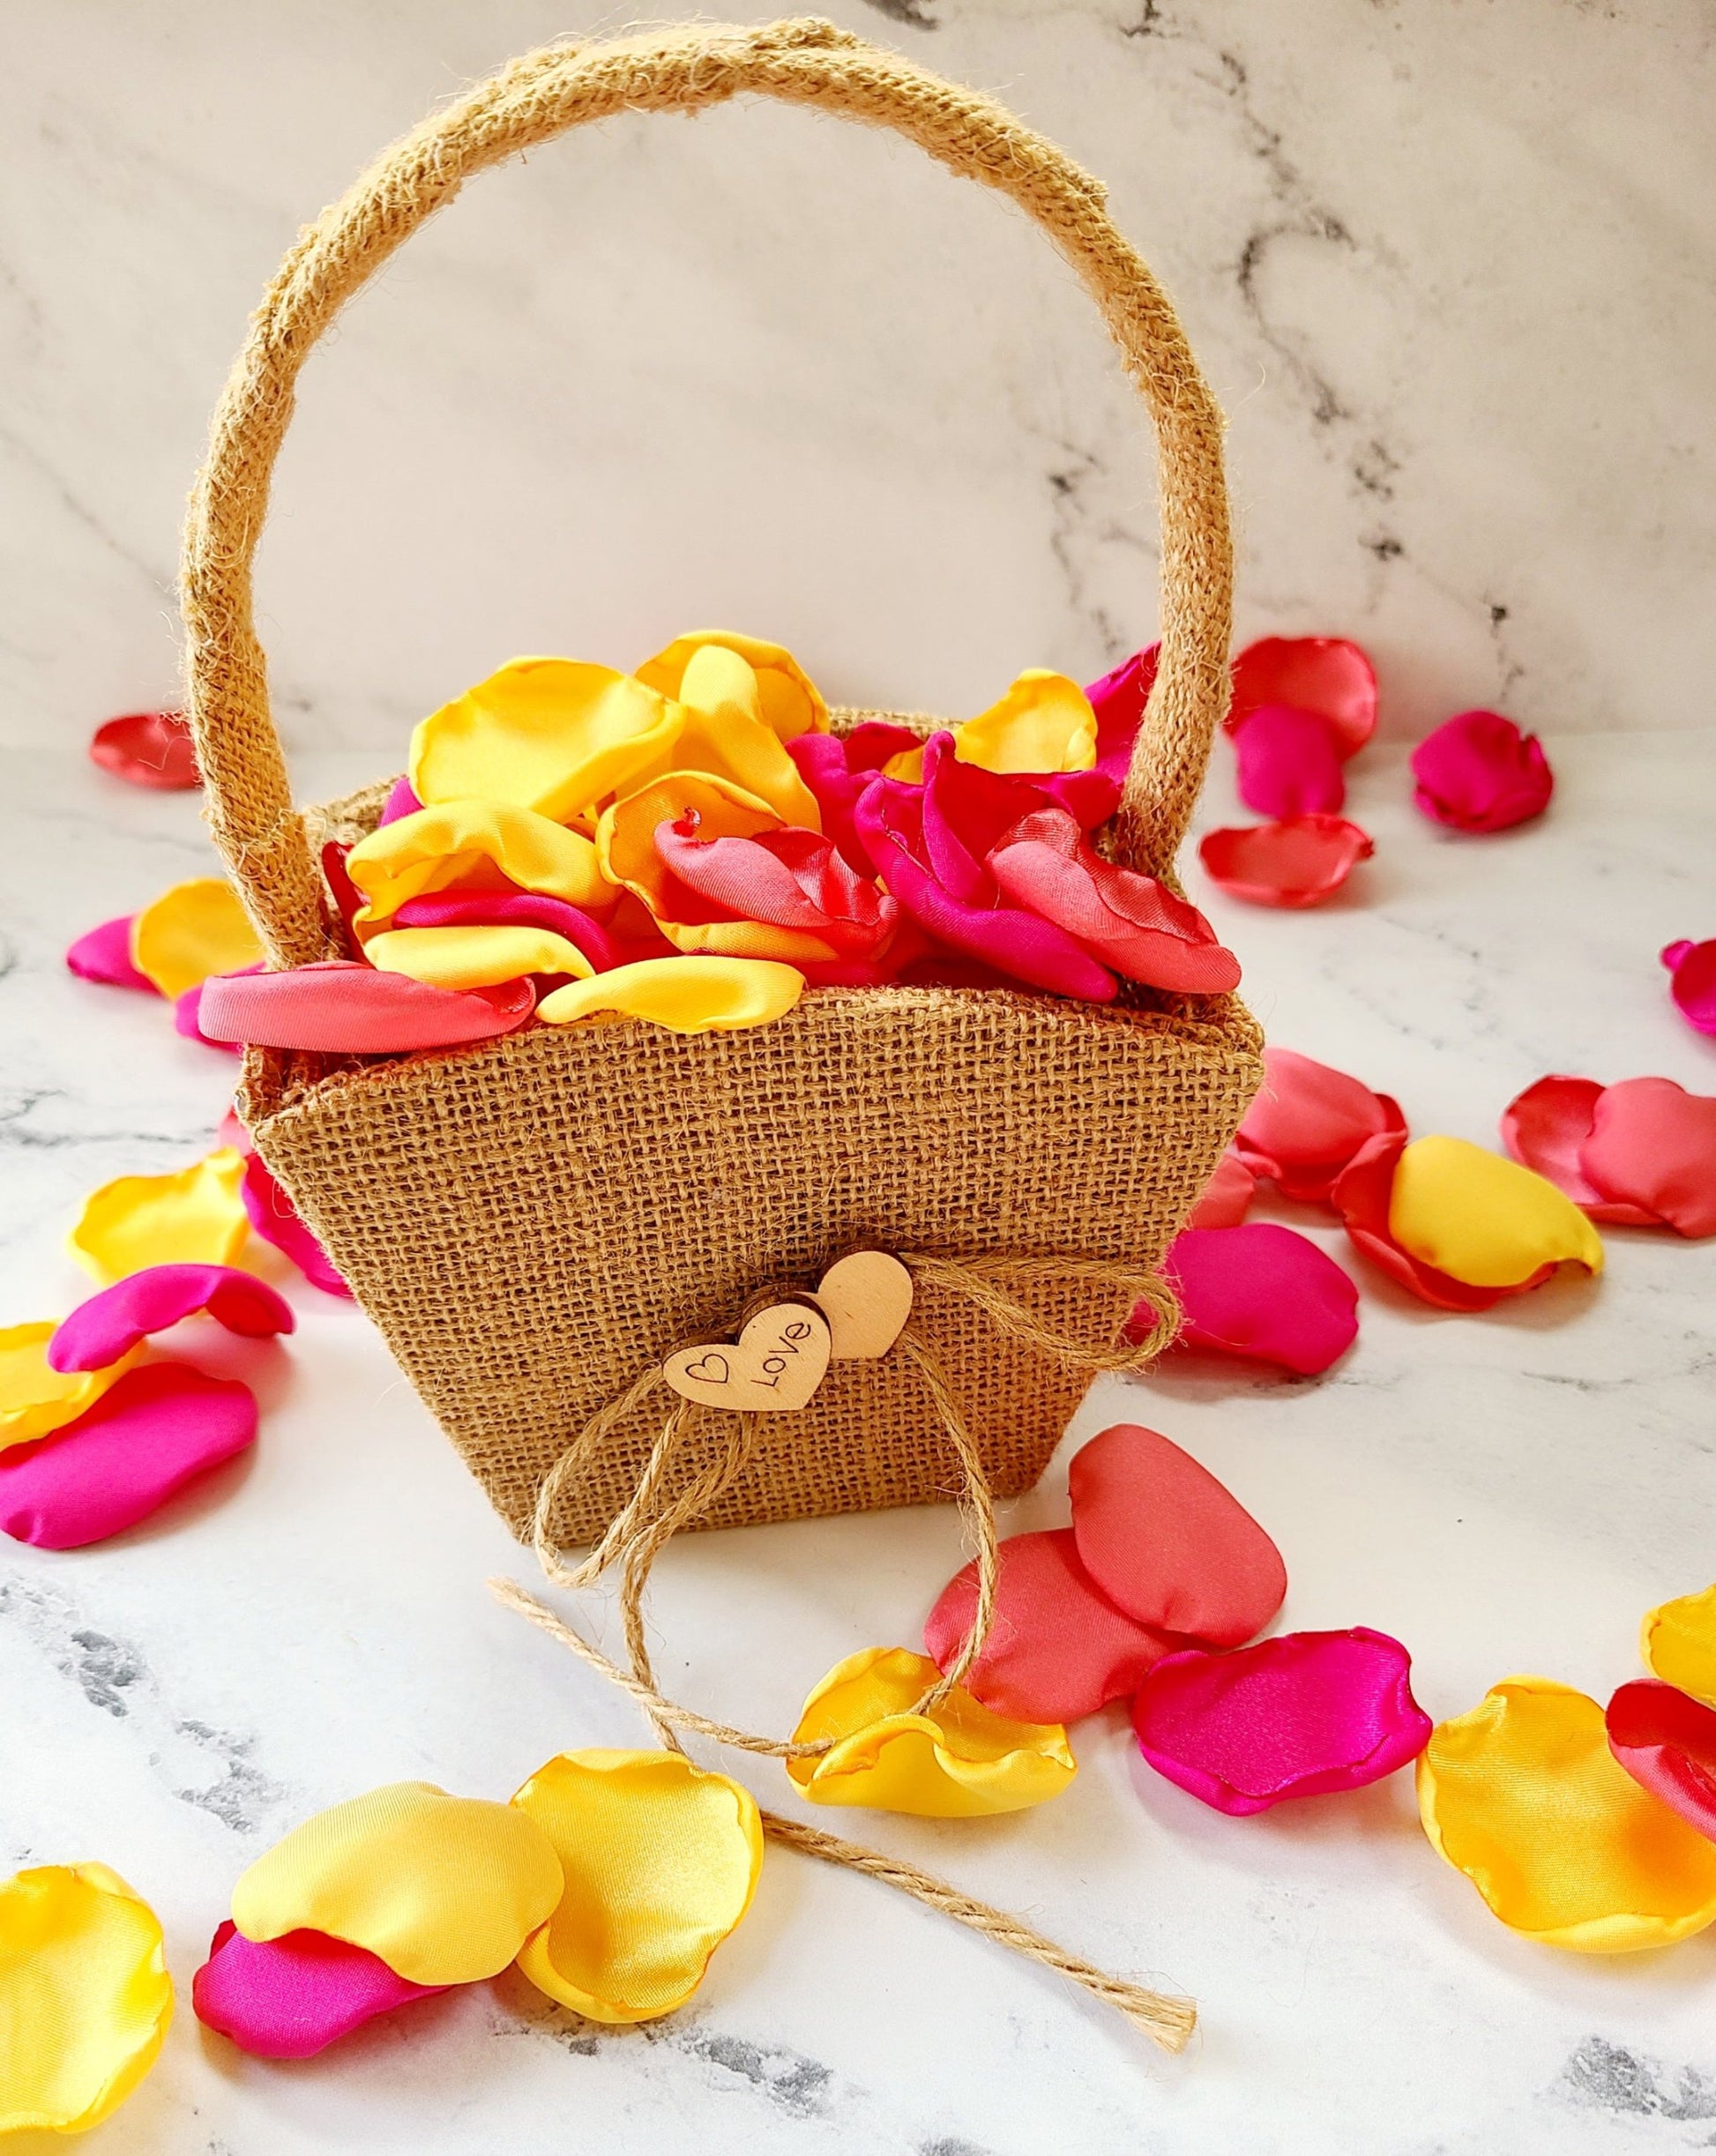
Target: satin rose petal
(1484,1220)
(1651,1145)
(474,846)
(1043,723)
(36,1396)
(838,769)
(104,954)
(1668,1744)
(1693,985)
(1544,1129)
(401,801)
(1167,1543)
(192,1218)
(1227,1195)
(157,1429)
(1525,1797)
(1303,1714)
(111,1324)
(726,734)
(290,1997)
(787,877)
(1324,675)
(1478,772)
(1678,1641)
(343,1007)
(1289,763)
(1306,1122)
(552,735)
(687,996)
(514,909)
(278,1220)
(85,1996)
(445,1889)
(1118,700)
(191,931)
(475,957)
(1058,1648)
(187,1022)
(1298,862)
(152,749)
(1263,1291)
(661,1860)
(960,1762)
(788,701)
(1361,1196)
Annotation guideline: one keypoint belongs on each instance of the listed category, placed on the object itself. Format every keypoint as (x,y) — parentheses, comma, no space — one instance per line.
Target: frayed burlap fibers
(534,1221)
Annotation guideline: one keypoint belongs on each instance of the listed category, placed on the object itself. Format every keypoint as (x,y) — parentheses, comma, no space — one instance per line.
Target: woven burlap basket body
(534,1221)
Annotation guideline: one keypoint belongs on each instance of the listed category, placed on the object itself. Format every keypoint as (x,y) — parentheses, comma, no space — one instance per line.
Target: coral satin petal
(151,748)
(1544,1128)
(1289,763)
(277,1220)
(1693,984)
(1652,1145)
(1304,1714)
(104,954)
(109,1324)
(1479,773)
(1227,1195)
(289,1998)
(1678,1641)
(1299,861)
(1058,1648)
(1263,1291)
(1167,1543)
(1325,674)
(1668,1744)
(342,1007)
(1307,1121)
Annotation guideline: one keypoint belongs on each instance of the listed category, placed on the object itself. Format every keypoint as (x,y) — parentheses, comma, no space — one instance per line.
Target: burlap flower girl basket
(535,1221)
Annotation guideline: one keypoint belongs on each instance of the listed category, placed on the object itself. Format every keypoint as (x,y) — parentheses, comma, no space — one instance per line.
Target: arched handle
(802,63)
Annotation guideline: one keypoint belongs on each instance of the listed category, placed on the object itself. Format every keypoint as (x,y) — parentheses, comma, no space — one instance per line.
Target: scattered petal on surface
(1058,1648)
(1693,968)
(1525,1797)
(1167,1543)
(111,1324)
(1361,1196)
(195,1217)
(1043,723)
(1324,675)
(1481,1220)
(1227,1195)
(445,1889)
(463,958)
(962,1762)
(1544,1127)
(36,1397)
(104,954)
(1307,1122)
(1304,1714)
(85,1996)
(342,1007)
(1678,1641)
(1668,1744)
(158,1429)
(290,1997)
(1478,772)
(277,1220)
(686,994)
(1641,1153)
(1289,763)
(1300,861)
(152,749)
(191,931)
(661,1861)
(1262,1291)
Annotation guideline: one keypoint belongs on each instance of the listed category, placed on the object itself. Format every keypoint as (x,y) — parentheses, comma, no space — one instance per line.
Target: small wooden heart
(773,1366)
(867,1299)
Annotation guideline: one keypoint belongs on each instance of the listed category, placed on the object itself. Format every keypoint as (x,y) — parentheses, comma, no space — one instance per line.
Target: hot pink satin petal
(152,749)
(1298,862)
(347,899)
(1324,675)
(1361,1198)
(1668,1744)
(341,1007)
(1226,1196)
(1289,762)
(1478,772)
(159,1427)
(230,1131)
(277,1220)
(110,1324)
(1306,1122)
(459,909)
(104,954)
(1651,1145)
(790,877)
(837,769)
(1305,1714)
(1167,1543)
(1059,1649)
(289,1998)
(1693,987)
(1118,700)
(400,801)
(186,1021)
(1264,1291)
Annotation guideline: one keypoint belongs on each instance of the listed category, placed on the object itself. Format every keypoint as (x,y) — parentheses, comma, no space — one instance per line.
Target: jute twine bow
(655,1512)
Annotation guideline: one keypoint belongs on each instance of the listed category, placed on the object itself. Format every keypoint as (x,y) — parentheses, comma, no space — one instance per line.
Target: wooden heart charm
(773,1366)
(867,1299)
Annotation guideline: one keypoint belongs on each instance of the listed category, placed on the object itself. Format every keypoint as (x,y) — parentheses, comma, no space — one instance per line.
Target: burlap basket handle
(802,63)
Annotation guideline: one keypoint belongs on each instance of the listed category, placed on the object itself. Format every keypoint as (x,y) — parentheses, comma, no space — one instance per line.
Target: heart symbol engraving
(866,1298)
(773,1366)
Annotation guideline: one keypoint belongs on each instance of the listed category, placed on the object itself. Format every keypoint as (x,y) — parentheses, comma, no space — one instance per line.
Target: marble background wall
(1446,264)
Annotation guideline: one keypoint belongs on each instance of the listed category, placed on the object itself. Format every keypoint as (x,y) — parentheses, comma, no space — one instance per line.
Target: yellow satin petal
(552,734)
(788,701)
(477,846)
(193,1217)
(1483,1219)
(1043,723)
(445,1889)
(85,1996)
(724,735)
(661,1860)
(687,996)
(191,931)
(962,1762)
(1678,1641)
(1525,1797)
(477,957)
(34,1398)
(908,765)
